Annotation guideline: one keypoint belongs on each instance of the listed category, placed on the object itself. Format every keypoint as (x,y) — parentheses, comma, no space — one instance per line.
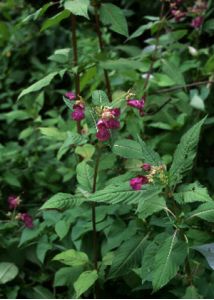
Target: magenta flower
(137,182)
(178,14)
(146,167)
(27,219)
(13,201)
(112,124)
(115,112)
(78,114)
(139,104)
(103,134)
(70,95)
(197,22)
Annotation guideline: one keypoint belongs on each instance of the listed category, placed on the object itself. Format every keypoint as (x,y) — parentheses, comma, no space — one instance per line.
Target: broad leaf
(8,271)
(62,228)
(85,176)
(204,211)
(185,154)
(150,206)
(38,85)
(128,149)
(100,98)
(148,154)
(167,261)
(112,15)
(55,20)
(192,193)
(84,282)
(128,256)
(78,7)
(86,151)
(61,201)
(72,258)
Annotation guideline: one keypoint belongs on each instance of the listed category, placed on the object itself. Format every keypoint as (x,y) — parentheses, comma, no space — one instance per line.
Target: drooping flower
(108,121)
(197,22)
(146,167)
(103,134)
(26,219)
(13,201)
(137,182)
(70,95)
(139,104)
(79,112)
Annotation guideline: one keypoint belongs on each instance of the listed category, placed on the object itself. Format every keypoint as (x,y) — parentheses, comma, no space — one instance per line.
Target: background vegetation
(44,155)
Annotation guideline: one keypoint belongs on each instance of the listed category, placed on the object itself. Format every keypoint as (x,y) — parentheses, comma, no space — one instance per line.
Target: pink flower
(27,219)
(13,201)
(197,22)
(112,124)
(78,114)
(70,95)
(178,14)
(103,134)
(137,182)
(139,104)
(146,167)
(115,112)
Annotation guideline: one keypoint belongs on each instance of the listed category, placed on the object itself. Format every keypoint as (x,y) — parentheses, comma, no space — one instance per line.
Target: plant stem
(75,61)
(101,45)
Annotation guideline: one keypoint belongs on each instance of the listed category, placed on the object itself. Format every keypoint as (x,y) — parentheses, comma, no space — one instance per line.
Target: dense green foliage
(93,234)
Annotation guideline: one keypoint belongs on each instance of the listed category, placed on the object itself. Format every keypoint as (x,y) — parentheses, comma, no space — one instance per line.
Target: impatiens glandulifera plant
(123,218)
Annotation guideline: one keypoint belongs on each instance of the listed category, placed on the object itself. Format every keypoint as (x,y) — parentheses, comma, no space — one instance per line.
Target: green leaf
(141,30)
(167,261)
(148,154)
(86,151)
(62,228)
(84,282)
(8,271)
(204,211)
(191,293)
(100,98)
(128,149)
(112,15)
(72,258)
(148,207)
(124,194)
(53,133)
(55,20)
(128,256)
(192,193)
(38,85)
(185,154)
(67,275)
(85,175)
(163,80)
(29,234)
(42,247)
(78,7)
(61,201)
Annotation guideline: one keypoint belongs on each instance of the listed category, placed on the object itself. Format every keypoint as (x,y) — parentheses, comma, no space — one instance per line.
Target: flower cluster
(139,104)
(195,11)
(137,182)
(109,120)
(14,202)
(78,113)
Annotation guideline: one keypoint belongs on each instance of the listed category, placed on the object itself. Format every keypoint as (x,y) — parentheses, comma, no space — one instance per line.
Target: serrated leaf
(204,211)
(124,194)
(148,154)
(85,176)
(100,98)
(86,151)
(38,85)
(185,154)
(72,258)
(8,271)
(78,7)
(53,133)
(192,193)
(62,201)
(55,20)
(112,15)
(128,149)
(149,206)
(167,261)
(128,256)
(141,30)
(84,282)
